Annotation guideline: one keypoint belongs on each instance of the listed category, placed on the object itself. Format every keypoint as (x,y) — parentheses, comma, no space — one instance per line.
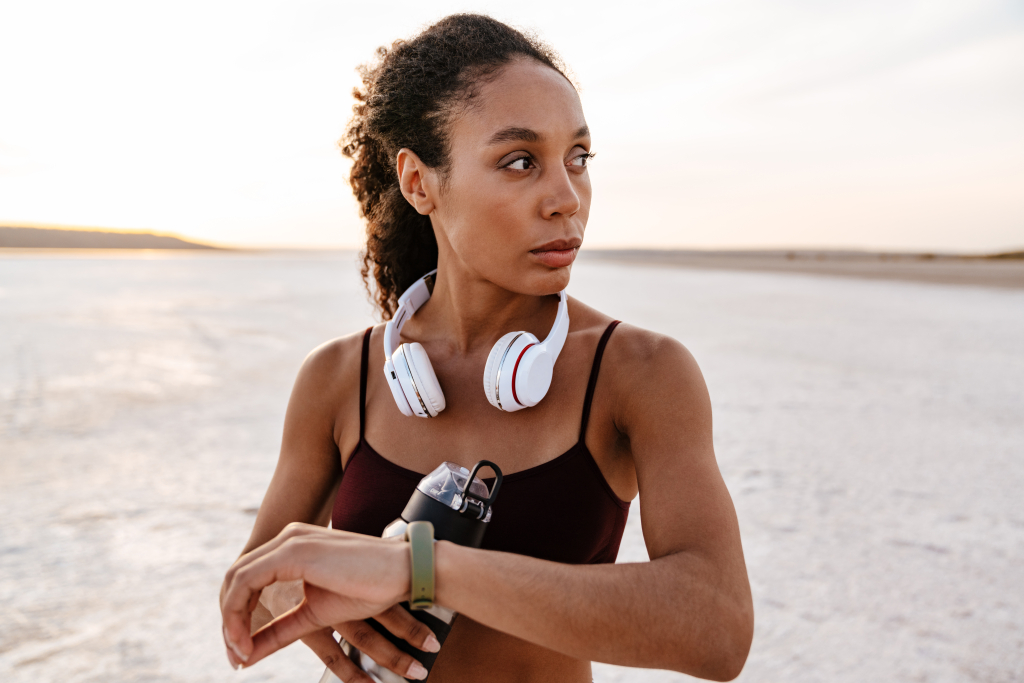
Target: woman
(470,154)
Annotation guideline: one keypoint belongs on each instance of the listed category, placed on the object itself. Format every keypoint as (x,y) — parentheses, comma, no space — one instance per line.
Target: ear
(416,180)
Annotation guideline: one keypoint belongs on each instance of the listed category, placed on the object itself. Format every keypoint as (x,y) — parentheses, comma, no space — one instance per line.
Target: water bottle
(458,504)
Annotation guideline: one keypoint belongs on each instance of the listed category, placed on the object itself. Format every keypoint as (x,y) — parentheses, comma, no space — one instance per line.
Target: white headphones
(517,374)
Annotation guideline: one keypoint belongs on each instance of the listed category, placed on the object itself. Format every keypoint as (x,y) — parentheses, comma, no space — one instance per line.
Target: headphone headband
(527,372)
(555,340)
(419,293)
(408,303)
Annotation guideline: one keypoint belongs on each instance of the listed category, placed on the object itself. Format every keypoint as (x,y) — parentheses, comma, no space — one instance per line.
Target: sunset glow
(729,124)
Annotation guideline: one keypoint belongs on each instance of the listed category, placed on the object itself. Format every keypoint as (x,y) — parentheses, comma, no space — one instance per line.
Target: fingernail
(238,653)
(431,644)
(238,668)
(416,671)
(234,648)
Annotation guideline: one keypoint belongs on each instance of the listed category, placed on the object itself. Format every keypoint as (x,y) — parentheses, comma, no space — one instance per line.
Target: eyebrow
(514,134)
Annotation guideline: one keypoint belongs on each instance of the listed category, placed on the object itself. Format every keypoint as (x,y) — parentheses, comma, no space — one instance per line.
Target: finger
(236,626)
(232,659)
(243,594)
(235,655)
(322,643)
(364,638)
(318,558)
(400,622)
(283,631)
(293,530)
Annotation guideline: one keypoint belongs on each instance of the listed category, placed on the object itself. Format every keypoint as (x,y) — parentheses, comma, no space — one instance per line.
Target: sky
(717,124)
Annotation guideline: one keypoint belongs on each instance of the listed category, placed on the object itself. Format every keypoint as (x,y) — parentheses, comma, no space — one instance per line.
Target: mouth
(558,253)
(559,245)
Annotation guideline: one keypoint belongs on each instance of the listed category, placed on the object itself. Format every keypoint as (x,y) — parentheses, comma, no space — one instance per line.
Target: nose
(561,197)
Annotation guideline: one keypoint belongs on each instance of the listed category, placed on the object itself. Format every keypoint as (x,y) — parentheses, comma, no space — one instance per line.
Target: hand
(347,577)
(281,597)
(363,637)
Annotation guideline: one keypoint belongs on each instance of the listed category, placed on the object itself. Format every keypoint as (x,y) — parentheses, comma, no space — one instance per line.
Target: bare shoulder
(640,350)
(650,371)
(336,354)
(331,370)
(648,375)
(634,354)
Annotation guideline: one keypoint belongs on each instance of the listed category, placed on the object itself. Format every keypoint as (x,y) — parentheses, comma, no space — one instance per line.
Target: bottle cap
(447,485)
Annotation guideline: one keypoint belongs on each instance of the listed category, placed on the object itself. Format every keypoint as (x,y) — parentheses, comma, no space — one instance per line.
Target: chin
(527,277)
(545,281)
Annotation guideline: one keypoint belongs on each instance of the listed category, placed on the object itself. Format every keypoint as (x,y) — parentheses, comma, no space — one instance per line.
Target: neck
(471,313)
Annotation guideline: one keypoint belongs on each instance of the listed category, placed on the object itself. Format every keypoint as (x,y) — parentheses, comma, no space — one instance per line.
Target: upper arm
(665,412)
(309,467)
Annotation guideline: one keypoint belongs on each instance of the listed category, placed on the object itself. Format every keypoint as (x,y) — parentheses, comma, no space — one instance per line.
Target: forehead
(524,94)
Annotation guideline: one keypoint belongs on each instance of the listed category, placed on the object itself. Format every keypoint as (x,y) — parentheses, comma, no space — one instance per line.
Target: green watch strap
(421,550)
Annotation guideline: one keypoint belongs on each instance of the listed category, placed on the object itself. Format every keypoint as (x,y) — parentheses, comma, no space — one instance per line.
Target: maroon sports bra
(562,510)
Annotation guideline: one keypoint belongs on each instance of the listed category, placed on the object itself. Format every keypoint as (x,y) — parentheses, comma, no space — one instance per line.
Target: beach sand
(869,431)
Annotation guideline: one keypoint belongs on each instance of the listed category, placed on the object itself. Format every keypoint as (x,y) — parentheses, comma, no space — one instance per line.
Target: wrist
(403,575)
(449,558)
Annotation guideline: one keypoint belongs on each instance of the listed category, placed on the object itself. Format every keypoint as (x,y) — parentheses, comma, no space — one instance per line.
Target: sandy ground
(870,432)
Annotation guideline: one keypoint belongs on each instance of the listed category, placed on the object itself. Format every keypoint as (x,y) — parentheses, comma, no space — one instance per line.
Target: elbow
(735,645)
(727,647)
(728,665)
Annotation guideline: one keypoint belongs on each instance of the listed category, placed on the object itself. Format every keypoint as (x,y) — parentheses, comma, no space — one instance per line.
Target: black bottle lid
(456,502)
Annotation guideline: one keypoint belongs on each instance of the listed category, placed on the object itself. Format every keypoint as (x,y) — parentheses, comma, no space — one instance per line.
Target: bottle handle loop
(484,504)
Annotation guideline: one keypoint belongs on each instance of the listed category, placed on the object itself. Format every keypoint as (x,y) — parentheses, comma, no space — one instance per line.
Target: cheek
(486,219)
(585,193)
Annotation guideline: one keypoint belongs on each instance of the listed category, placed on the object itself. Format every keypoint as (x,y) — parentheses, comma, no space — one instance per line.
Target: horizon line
(759,248)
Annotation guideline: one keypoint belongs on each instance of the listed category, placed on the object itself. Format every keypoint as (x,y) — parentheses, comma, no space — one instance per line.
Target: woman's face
(514,206)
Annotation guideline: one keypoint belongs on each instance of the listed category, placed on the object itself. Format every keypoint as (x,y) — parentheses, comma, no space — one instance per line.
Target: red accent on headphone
(516,369)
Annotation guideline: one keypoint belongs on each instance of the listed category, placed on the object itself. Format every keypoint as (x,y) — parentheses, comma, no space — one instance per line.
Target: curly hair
(407,100)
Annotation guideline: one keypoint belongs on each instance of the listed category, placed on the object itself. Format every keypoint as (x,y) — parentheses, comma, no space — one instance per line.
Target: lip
(559,245)
(557,253)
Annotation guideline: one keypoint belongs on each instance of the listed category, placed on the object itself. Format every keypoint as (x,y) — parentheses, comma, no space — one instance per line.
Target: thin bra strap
(593,376)
(362,381)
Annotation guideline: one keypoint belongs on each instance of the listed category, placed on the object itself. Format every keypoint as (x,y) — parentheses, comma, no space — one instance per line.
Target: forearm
(671,613)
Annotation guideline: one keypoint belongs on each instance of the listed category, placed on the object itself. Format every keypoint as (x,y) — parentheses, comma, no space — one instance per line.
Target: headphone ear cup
(531,377)
(423,374)
(391,373)
(492,366)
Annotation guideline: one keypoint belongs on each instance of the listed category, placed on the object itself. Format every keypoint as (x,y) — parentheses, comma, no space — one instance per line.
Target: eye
(520,164)
(581,160)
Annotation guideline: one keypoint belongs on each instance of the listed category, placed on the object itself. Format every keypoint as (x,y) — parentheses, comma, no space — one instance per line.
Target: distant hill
(57,238)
